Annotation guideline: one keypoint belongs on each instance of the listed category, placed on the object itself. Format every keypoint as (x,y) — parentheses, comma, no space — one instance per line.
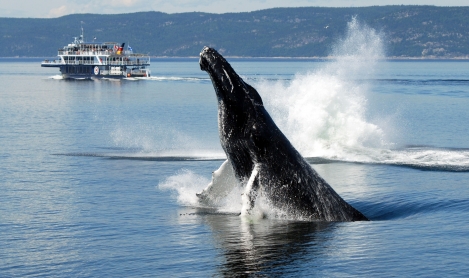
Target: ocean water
(98,178)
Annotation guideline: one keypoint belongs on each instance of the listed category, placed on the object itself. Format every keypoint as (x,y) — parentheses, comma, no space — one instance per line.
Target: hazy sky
(56,8)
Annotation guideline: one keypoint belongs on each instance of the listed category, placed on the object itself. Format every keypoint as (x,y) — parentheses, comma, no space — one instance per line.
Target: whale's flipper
(223,182)
(251,192)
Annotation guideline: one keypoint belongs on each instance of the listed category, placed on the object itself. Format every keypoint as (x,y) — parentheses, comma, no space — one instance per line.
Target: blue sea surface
(98,178)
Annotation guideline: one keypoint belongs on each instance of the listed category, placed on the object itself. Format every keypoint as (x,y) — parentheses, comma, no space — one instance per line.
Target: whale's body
(262,158)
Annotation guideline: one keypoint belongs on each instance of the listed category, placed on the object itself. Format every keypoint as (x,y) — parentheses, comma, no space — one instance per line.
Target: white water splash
(56,77)
(186,184)
(323,113)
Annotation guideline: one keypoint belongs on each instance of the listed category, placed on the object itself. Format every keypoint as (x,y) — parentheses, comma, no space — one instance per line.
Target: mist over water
(160,140)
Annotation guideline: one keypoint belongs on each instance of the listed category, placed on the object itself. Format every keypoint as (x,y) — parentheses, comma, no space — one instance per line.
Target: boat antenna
(82,36)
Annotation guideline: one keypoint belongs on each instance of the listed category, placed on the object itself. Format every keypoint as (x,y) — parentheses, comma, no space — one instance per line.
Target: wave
(153,156)
(420,158)
(432,82)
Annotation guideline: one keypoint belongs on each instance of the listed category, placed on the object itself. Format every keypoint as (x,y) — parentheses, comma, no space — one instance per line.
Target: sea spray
(185,184)
(323,113)
(150,137)
(160,140)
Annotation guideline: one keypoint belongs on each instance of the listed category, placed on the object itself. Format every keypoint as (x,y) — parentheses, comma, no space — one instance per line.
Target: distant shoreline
(401,32)
(273,58)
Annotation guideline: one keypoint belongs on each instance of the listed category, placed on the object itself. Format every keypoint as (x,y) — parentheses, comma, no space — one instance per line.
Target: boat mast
(82,36)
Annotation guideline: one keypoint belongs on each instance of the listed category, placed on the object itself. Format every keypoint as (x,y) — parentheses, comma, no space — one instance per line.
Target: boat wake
(175,78)
(56,77)
(152,78)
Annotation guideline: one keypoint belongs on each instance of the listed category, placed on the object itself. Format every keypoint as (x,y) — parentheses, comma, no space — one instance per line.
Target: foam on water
(57,77)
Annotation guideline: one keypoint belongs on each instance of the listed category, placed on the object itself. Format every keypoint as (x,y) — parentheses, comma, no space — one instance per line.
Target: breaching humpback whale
(262,158)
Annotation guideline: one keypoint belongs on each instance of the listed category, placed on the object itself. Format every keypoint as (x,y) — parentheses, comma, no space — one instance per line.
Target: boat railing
(139,62)
(93,52)
(101,52)
(128,63)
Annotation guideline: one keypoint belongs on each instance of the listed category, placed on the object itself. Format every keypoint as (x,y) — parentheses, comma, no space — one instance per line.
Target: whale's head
(229,87)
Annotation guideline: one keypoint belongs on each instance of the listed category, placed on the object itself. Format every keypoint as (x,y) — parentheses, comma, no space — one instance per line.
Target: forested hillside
(408,31)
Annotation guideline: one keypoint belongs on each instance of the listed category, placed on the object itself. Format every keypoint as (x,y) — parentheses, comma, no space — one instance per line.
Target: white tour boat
(92,60)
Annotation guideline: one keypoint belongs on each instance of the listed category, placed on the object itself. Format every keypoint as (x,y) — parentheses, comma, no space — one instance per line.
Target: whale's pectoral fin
(251,195)
(251,192)
(223,182)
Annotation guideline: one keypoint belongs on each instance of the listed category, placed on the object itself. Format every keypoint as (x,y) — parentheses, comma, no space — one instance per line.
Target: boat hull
(97,71)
